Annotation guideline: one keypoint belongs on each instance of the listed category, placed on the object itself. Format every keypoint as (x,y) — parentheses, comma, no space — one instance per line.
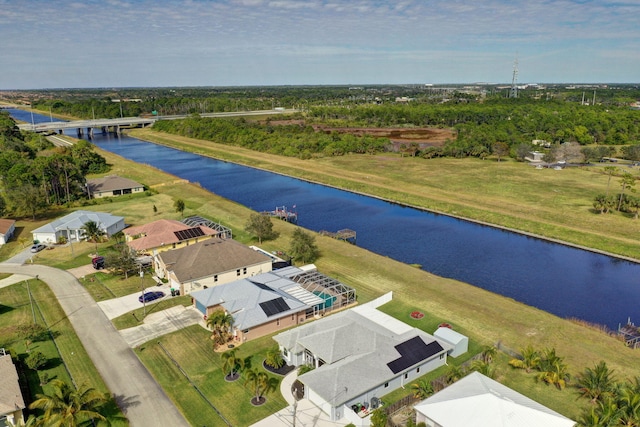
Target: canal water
(562,280)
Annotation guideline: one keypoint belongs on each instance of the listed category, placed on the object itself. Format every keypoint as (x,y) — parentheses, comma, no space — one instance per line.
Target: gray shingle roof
(356,349)
(242,299)
(110,183)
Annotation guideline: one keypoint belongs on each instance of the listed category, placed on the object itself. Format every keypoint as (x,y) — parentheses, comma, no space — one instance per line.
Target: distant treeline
(293,140)
(481,117)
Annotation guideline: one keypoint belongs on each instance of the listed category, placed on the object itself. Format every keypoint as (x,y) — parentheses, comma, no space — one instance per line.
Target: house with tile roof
(112,185)
(482,402)
(271,301)
(11,400)
(210,263)
(165,234)
(7,228)
(70,226)
(359,355)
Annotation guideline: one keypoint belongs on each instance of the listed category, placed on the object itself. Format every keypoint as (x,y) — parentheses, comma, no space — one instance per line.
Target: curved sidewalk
(140,397)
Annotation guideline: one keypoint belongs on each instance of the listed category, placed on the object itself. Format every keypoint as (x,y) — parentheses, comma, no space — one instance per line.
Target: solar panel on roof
(261,285)
(412,352)
(189,233)
(274,306)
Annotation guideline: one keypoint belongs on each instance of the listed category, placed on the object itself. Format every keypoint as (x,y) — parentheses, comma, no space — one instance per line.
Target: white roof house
(70,226)
(360,355)
(479,401)
(7,228)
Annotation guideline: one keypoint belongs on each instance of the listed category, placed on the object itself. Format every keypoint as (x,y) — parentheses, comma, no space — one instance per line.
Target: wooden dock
(631,334)
(345,234)
(281,212)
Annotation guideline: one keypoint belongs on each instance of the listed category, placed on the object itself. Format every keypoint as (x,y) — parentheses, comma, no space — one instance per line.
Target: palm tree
(260,384)
(485,368)
(488,353)
(30,422)
(454,373)
(530,359)
(230,363)
(303,369)
(596,383)
(553,370)
(92,232)
(274,358)
(629,404)
(220,323)
(422,389)
(67,407)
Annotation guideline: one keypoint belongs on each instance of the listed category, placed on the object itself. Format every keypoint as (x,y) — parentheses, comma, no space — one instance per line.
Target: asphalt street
(140,397)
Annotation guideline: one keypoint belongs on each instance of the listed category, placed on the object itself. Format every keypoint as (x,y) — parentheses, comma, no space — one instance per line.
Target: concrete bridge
(115,125)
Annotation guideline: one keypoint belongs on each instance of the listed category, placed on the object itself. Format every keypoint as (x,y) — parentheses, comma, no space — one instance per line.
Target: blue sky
(121,43)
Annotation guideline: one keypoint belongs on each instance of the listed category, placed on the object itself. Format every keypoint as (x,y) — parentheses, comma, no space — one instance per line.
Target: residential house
(7,228)
(271,301)
(165,234)
(479,401)
(359,355)
(209,263)
(70,226)
(11,400)
(112,186)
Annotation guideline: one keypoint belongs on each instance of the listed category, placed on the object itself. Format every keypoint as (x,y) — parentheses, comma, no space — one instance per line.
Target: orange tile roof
(159,233)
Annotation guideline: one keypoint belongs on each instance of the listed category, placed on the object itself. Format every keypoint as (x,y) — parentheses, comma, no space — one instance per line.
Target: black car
(98,262)
(150,296)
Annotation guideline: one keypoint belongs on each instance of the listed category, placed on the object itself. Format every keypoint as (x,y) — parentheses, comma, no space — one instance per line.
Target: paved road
(141,398)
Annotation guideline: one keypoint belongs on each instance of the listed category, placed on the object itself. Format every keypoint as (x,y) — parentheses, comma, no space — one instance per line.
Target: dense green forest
(35,175)
(596,118)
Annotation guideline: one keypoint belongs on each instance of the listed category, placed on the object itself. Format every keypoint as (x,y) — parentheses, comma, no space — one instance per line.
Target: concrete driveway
(140,397)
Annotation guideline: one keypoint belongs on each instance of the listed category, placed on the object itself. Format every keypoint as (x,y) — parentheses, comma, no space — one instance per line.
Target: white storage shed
(459,342)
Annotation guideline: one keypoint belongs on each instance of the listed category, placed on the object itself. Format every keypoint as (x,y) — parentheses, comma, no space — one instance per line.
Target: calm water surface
(559,279)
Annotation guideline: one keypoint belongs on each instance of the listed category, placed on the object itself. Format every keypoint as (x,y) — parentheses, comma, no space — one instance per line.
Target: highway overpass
(114,125)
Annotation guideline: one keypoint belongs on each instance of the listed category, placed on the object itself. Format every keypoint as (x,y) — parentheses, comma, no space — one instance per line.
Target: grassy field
(485,317)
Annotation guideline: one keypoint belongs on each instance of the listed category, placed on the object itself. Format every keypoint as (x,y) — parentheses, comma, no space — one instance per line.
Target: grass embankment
(545,202)
(66,357)
(485,317)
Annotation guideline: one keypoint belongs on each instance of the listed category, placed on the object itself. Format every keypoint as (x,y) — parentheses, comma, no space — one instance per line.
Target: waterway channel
(562,280)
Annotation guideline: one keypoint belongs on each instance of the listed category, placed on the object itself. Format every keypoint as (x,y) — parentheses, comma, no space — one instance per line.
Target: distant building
(113,185)
(11,400)
(534,157)
(7,228)
(70,226)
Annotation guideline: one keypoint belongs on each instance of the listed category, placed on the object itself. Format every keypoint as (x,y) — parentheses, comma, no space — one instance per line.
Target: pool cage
(335,295)
(195,221)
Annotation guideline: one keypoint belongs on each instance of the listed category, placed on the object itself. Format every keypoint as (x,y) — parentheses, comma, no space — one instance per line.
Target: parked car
(150,296)
(38,247)
(98,262)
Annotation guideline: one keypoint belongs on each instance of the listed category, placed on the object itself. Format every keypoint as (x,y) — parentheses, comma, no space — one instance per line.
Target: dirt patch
(423,136)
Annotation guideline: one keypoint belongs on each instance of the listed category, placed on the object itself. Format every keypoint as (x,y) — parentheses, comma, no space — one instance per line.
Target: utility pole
(144,301)
(33,312)
(514,81)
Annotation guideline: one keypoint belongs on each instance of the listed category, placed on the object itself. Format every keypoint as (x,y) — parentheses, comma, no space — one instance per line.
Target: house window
(126,191)
(237,272)
(244,270)
(418,370)
(173,246)
(442,356)
(293,317)
(215,278)
(406,375)
(277,322)
(117,192)
(386,385)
